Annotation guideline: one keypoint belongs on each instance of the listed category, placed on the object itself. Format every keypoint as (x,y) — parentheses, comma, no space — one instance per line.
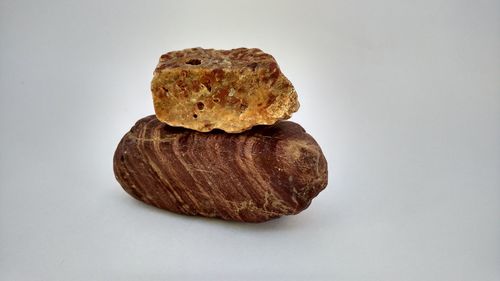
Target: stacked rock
(217,146)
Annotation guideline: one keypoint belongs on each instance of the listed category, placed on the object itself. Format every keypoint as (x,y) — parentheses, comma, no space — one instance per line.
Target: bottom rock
(254,176)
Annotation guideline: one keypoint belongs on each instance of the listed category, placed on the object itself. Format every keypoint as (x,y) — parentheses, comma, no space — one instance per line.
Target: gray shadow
(285,223)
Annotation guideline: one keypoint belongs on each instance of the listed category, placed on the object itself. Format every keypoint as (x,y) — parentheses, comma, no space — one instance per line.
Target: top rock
(232,90)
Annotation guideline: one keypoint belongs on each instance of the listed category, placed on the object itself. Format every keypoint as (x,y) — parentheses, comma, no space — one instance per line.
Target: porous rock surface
(232,90)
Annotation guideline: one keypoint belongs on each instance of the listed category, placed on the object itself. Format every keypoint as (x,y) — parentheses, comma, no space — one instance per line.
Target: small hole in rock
(216,100)
(252,66)
(193,61)
(195,115)
(200,105)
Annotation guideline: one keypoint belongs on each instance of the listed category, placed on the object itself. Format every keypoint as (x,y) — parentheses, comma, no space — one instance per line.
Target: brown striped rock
(263,173)
(232,90)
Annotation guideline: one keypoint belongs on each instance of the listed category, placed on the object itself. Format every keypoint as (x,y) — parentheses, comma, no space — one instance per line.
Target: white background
(403,97)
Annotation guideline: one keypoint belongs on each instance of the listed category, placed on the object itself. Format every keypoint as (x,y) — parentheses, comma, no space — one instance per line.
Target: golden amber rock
(232,90)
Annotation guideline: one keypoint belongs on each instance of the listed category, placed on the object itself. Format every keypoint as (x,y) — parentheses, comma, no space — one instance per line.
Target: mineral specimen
(232,90)
(263,173)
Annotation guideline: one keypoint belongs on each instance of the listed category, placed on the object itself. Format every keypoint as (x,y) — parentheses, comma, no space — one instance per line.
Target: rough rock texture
(263,173)
(232,90)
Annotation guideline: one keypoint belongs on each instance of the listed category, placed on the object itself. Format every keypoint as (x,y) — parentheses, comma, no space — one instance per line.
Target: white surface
(403,96)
